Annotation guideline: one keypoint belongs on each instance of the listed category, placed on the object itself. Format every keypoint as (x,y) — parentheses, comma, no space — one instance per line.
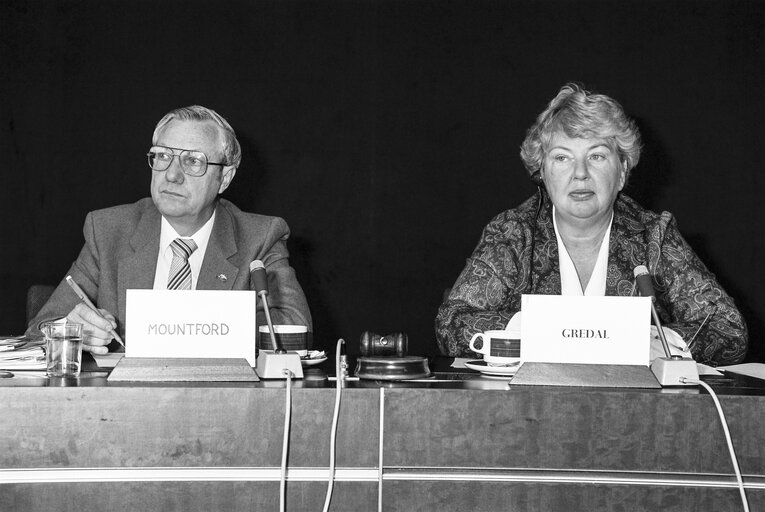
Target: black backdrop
(385,132)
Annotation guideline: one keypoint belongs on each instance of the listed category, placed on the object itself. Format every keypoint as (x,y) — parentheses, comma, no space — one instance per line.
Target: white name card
(190,323)
(588,330)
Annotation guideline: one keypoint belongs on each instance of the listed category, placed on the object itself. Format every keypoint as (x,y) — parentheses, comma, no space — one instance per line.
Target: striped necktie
(180,270)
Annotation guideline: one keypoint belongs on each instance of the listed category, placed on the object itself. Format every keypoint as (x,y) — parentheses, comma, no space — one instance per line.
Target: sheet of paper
(109,360)
(190,323)
(756,370)
(707,370)
(20,353)
(459,362)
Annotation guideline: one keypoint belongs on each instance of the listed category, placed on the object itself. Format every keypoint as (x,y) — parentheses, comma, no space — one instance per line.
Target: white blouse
(569,278)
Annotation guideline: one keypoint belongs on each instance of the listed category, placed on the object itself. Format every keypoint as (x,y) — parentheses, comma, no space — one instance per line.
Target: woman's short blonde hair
(579,113)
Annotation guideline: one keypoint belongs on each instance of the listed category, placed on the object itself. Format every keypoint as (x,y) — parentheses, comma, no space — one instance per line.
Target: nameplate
(176,369)
(585,375)
(586,330)
(190,324)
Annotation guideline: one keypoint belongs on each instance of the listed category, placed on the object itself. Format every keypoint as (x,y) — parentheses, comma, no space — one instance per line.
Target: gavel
(372,344)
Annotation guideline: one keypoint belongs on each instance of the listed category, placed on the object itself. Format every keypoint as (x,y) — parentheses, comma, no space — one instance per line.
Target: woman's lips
(581,194)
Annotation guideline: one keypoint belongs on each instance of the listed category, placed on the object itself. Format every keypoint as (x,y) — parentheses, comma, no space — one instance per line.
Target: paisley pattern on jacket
(488,291)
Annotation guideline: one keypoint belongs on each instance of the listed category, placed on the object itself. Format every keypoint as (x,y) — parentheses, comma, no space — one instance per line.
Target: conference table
(457,440)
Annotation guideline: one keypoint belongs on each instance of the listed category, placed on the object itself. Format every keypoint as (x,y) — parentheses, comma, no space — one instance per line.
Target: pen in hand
(84,298)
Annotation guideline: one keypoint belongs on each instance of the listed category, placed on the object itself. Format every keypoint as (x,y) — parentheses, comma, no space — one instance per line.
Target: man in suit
(183,237)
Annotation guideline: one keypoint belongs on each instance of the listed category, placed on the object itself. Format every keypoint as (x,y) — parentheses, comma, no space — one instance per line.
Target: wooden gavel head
(374,345)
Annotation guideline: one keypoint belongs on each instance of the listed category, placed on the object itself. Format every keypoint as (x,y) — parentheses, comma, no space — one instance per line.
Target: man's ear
(227,174)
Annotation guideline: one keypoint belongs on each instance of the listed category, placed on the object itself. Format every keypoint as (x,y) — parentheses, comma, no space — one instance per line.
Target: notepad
(20,353)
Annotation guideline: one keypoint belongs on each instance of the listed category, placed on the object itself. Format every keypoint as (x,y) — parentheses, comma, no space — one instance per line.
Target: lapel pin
(222,278)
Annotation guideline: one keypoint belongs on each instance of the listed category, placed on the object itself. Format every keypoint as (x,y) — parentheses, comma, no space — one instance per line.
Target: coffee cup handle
(477,335)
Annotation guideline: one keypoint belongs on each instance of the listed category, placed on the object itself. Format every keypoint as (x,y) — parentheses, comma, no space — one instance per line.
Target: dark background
(385,132)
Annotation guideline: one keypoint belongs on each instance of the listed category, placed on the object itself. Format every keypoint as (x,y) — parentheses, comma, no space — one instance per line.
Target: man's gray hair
(232,152)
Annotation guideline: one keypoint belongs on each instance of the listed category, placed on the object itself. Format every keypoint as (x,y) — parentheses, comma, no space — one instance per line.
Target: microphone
(645,287)
(258,277)
(259,281)
(280,363)
(670,370)
(644,283)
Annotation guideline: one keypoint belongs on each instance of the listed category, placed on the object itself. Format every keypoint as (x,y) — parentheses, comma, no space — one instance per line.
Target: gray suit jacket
(121,248)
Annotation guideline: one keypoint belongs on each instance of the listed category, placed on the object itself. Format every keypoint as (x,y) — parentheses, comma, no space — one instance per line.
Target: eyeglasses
(193,163)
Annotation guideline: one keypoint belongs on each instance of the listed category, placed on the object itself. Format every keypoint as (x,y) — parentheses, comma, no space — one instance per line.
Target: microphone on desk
(272,365)
(645,288)
(259,281)
(670,370)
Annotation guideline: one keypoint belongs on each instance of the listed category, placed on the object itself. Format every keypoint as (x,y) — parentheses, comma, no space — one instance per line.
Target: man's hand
(95,328)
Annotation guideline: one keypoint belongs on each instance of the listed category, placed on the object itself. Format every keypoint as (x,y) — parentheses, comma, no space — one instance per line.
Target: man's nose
(175,173)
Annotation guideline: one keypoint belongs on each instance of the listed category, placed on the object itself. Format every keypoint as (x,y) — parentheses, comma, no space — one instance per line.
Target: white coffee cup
(294,338)
(499,347)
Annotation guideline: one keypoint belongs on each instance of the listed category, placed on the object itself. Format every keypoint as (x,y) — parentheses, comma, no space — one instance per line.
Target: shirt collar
(201,237)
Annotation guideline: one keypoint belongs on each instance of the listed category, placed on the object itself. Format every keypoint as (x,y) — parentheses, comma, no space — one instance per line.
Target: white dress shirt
(165,257)
(569,278)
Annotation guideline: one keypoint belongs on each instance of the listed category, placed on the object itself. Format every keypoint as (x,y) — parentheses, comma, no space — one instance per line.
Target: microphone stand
(662,337)
(670,370)
(271,365)
(275,343)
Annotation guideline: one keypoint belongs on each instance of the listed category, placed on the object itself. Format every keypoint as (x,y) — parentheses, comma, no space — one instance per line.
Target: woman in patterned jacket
(587,238)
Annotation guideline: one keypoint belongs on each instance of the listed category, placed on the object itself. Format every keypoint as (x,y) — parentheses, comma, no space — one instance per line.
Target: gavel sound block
(384,358)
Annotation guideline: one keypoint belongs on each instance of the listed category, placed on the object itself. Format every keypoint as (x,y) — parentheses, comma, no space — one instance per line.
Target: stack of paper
(20,353)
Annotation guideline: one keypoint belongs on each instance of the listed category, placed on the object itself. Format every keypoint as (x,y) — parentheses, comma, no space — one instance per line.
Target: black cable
(540,202)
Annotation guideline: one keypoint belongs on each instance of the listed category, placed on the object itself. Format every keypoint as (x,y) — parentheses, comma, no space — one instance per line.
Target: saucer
(312,362)
(480,365)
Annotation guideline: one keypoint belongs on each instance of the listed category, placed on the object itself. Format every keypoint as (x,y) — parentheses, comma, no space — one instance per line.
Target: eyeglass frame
(180,162)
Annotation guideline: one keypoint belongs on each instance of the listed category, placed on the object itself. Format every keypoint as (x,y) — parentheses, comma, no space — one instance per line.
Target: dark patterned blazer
(488,291)
(121,248)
